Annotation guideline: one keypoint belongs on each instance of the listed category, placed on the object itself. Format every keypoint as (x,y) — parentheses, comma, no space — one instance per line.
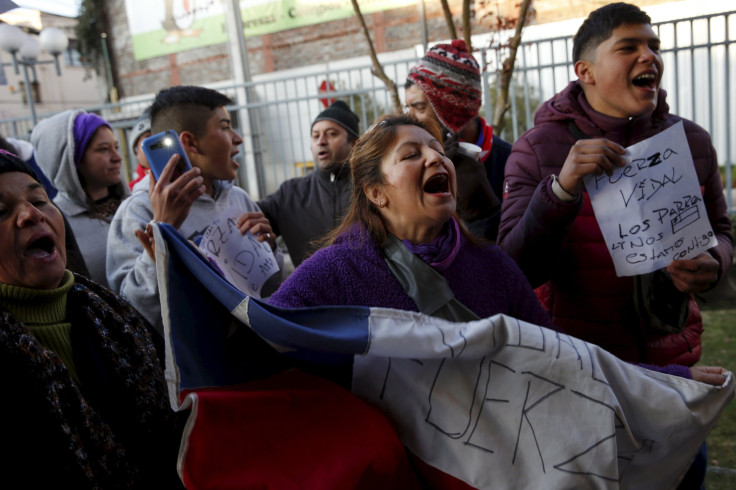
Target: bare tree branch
(507,69)
(466,25)
(377,69)
(448,19)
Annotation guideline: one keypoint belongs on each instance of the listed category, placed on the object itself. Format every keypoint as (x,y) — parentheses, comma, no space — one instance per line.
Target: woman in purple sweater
(403,210)
(404,197)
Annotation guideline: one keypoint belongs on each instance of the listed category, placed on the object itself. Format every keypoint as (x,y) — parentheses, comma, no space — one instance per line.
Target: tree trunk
(466,25)
(507,70)
(377,69)
(448,19)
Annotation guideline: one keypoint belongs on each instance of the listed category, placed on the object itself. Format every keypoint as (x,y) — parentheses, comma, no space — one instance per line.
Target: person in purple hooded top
(547,220)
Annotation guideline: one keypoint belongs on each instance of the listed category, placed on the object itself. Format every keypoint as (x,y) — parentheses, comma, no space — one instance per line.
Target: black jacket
(306,208)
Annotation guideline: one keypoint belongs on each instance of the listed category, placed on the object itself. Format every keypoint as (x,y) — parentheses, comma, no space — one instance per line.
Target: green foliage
(722,169)
(719,349)
(367,108)
(518,105)
(89,30)
(365,105)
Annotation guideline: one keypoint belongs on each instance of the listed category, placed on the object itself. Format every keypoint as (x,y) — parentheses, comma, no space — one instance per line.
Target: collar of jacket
(340,174)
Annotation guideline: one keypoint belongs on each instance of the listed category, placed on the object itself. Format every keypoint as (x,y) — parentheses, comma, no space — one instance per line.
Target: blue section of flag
(209,334)
(197,317)
(325,330)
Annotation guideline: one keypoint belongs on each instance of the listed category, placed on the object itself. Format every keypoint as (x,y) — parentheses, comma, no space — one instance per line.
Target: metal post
(112,91)
(243,75)
(29,93)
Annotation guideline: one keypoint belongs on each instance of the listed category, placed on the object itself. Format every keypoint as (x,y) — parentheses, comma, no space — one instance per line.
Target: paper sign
(244,261)
(651,211)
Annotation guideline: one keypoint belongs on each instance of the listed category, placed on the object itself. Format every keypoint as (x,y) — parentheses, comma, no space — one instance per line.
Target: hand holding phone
(159,149)
(171,200)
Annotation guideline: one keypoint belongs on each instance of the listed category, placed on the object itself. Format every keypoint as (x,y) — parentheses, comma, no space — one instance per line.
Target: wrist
(560,192)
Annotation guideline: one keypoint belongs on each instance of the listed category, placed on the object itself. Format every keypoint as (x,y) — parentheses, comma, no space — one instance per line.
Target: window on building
(72,56)
(35,92)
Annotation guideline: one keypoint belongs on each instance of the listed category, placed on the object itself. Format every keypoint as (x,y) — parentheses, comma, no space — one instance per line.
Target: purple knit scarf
(440,252)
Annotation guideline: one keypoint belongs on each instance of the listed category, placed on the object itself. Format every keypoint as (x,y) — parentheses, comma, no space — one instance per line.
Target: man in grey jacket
(306,208)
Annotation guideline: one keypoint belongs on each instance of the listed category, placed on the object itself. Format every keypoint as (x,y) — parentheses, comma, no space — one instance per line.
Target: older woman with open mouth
(85,401)
(401,244)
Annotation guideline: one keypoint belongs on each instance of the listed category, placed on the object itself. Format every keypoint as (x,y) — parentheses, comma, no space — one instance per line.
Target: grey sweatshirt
(130,270)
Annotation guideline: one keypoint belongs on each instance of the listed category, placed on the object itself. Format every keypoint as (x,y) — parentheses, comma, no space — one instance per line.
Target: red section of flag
(292,430)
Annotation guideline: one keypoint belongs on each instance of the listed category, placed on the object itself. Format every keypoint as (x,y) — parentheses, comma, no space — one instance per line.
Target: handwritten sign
(651,211)
(244,261)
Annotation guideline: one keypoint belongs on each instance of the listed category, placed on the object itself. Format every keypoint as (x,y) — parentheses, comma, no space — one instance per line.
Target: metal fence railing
(700,63)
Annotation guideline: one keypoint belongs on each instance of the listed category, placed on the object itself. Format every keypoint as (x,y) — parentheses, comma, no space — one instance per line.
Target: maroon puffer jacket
(559,245)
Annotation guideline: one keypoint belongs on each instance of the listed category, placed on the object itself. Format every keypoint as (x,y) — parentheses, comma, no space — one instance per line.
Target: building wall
(391,30)
(76,87)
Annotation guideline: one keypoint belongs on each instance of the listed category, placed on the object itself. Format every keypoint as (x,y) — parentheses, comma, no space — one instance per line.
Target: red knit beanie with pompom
(450,78)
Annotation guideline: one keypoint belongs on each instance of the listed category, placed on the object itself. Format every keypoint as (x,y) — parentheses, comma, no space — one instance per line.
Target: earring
(381,203)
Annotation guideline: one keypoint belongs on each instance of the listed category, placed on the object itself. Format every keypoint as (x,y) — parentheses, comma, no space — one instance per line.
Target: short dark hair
(600,25)
(185,108)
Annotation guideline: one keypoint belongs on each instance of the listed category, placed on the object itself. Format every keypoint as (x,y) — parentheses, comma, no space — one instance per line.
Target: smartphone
(158,150)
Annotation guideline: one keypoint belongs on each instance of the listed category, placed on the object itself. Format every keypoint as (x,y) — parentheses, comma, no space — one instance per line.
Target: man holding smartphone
(190,202)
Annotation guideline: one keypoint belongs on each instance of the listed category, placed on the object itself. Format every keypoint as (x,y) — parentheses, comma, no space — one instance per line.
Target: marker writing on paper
(680,249)
(647,187)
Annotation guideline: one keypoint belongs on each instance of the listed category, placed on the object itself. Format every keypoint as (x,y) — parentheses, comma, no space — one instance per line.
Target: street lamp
(24,49)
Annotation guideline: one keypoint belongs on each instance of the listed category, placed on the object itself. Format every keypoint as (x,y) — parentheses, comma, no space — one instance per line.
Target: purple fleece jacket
(352,271)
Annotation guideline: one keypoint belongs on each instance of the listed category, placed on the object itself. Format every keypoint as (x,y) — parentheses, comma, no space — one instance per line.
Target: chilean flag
(494,403)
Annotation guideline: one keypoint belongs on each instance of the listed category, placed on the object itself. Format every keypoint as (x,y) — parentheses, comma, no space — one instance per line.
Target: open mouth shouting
(40,247)
(646,80)
(232,158)
(437,185)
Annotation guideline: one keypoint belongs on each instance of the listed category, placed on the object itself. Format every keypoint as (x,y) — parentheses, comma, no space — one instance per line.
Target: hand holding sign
(246,262)
(651,211)
(694,275)
(589,157)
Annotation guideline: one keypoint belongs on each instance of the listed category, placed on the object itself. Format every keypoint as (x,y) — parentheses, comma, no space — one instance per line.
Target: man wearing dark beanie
(306,208)
(445,86)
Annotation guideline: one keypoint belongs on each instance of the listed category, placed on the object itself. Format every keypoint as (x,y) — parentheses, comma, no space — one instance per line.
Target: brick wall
(392,30)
